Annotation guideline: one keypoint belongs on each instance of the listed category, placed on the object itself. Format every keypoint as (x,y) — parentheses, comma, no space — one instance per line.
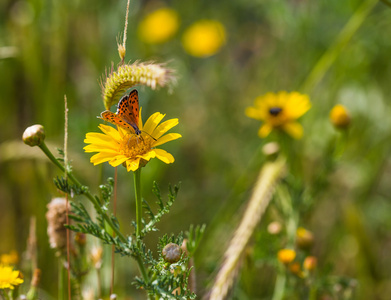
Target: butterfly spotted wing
(127,115)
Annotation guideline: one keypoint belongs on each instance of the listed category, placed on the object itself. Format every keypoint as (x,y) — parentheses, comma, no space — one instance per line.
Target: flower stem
(279,288)
(93,200)
(137,191)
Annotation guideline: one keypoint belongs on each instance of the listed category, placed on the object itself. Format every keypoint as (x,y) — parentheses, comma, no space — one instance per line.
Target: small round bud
(113,296)
(286,256)
(340,117)
(81,239)
(304,238)
(295,269)
(172,253)
(310,263)
(271,149)
(96,253)
(34,135)
(274,228)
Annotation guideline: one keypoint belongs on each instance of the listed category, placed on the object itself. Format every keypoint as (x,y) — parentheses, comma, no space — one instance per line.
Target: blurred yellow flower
(286,256)
(124,147)
(204,38)
(9,277)
(304,238)
(280,111)
(10,258)
(310,263)
(339,116)
(158,26)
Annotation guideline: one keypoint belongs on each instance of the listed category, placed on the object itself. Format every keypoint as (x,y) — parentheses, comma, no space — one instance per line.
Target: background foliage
(64,47)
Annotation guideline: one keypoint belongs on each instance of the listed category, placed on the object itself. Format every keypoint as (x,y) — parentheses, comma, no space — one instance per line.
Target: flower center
(133,145)
(275,111)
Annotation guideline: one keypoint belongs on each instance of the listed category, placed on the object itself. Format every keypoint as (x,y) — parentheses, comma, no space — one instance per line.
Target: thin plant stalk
(66,197)
(115,214)
(61,291)
(279,288)
(137,191)
(345,35)
(259,201)
(90,197)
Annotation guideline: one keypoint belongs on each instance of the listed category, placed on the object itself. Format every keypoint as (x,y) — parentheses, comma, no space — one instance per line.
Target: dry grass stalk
(260,198)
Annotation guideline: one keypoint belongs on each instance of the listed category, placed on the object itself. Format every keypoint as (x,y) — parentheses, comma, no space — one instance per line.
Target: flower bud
(286,256)
(340,117)
(304,238)
(34,135)
(96,256)
(172,253)
(310,263)
(271,149)
(81,239)
(274,228)
(295,269)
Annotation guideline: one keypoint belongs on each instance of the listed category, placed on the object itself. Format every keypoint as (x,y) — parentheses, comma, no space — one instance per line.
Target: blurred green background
(52,48)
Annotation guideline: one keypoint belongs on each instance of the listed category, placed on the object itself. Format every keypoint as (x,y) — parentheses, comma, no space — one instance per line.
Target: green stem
(137,191)
(279,288)
(328,58)
(61,290)
(93,200)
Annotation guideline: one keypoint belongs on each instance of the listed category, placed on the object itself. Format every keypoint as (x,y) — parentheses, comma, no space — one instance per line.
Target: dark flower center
(274,111)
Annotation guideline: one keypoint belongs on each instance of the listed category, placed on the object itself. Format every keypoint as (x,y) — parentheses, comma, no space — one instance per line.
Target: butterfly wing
(127,115)
(128,108)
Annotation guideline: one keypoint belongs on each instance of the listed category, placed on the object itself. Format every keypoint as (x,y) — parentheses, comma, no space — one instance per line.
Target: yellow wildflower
(280,111)
(10,258)
(158,26)
(304,238)
(204,38)
(124,147)
(9,277)
(339,116)
(286,256)
(310,263)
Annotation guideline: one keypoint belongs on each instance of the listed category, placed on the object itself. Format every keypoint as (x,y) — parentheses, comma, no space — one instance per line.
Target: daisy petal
(132,165)
(255,113)
(100,158)
(294,129)
(148,156)
(164,156)
(116,161)
(152,122)
(265,130)
(110,131)
(164,127)
(166,138)
(108,148)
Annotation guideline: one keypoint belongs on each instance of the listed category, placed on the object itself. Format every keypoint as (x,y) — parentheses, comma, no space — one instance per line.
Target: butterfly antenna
(149,135)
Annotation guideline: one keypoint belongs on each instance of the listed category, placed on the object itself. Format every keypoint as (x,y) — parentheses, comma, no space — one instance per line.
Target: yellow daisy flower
(124,147)
(11,258)
(280,111)
(286,256)
(9,277)
(159,26)
(204,38)
(340,116)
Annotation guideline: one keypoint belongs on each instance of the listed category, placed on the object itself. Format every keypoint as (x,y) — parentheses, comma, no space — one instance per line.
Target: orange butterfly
(127,115)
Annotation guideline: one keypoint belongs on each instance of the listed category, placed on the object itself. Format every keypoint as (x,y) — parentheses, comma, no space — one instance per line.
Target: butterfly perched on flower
(127,115)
